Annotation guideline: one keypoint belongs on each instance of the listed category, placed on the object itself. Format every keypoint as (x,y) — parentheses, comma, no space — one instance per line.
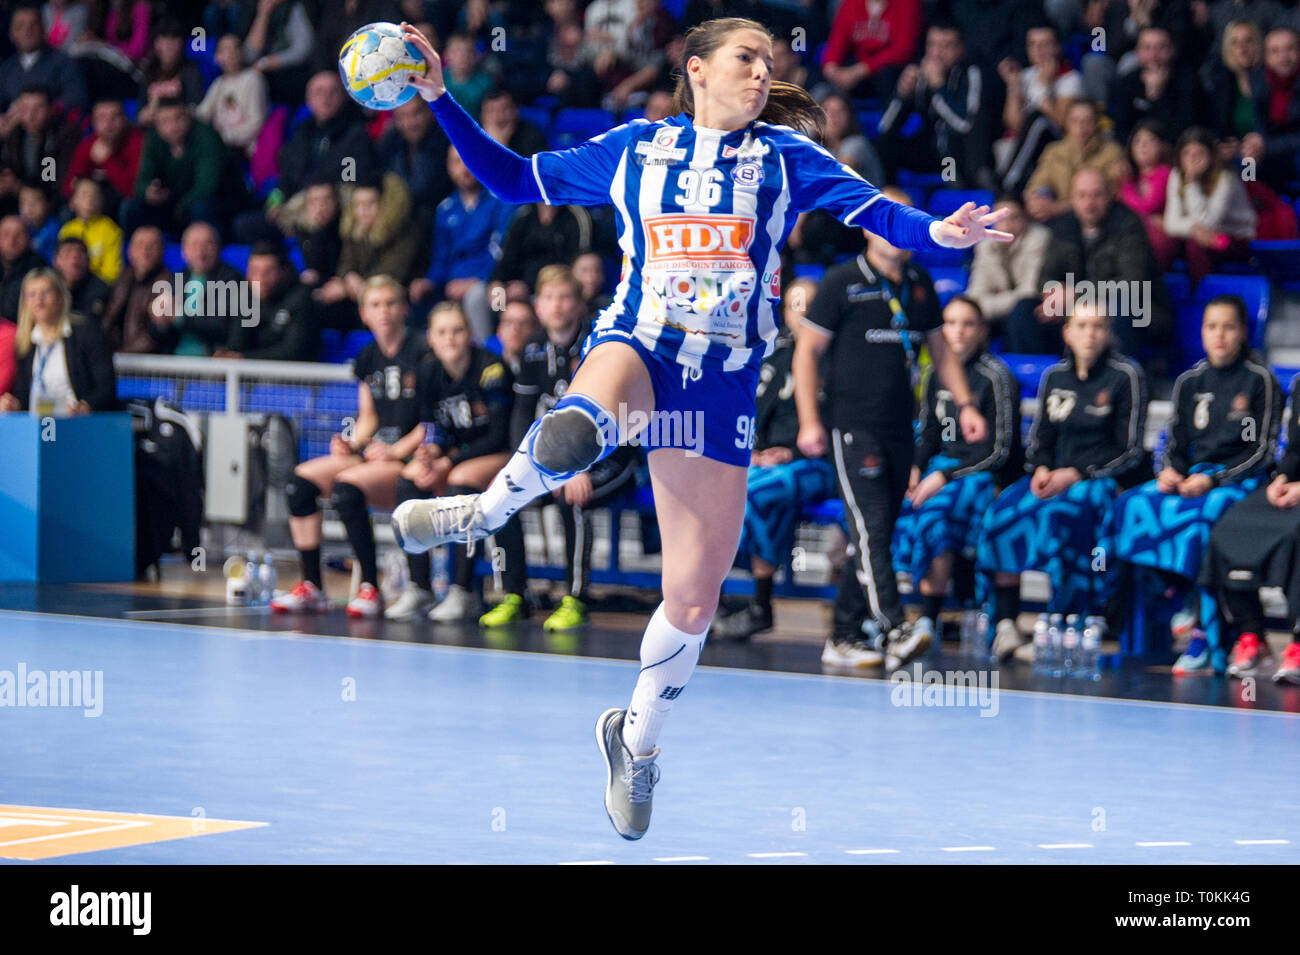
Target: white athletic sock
(668,658)
(514,486)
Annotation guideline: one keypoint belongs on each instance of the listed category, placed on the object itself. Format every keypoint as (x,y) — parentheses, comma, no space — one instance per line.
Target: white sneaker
(906,643)
(412,601)
(458,605)
(845,653)
(366,603)
(420,526)
(305,597)
(1007,639)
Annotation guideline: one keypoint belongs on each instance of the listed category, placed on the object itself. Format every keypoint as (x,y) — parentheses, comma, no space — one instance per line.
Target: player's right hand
(339,446)
(430,84)
(812,440)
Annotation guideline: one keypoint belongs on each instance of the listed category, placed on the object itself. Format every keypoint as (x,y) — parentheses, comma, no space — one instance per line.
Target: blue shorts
(706,412)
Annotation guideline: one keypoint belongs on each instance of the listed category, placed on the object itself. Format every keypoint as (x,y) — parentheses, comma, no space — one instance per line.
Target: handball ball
(375,63)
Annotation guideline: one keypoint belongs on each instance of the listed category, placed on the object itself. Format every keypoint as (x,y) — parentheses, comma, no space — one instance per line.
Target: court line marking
(1262,842)
(1160,844)
(1066,845)
(630,662)
(111,827)
(967,849)
(774,855)
(144,615)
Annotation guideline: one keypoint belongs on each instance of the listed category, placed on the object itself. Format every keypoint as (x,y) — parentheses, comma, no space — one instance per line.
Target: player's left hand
(973,426)
(928,487)
(1196,485)
(577,490)
(971,224)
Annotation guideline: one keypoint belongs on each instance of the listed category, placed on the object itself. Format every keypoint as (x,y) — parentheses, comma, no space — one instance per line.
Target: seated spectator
(89,295)
(1085,446)
(466,394)
(468,233)
(1037,98)
(17,258)
(949,93)
(516,327)
(642,57)
(362,469)
(1275,142)
(168,74)
(102,236)
(415,147)
(312,218)
(538,236)
(110,154)
(607,25)
(1162,87)
(202,322)
(1085,146)
(465,78)
(501,121)
(36,208)
(1146,187)
(1206,207)
(954,481)
(589,270)
(333,134)
(995,30)
(40,145)
(571,78)
(132,321)
(1222,440)
(1122,22)
(126,27)
(64,365)
(184,175)
(787,67)
(284,326)
(1098,241)
(1005,275)
(869,45)
(377,239)
(235,105)
(1229,99)
(1265,14)
(279,43)
(843,139)
(781,481)
(65,21)
(35,63)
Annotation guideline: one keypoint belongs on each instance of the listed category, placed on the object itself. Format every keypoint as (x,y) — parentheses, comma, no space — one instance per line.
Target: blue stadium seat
(948,282)
(295,255)
(1180,288)
(173,261)
(301,115)
(869,120)
(129,388)
(132,108)
(1187,333)
(810,270)
(942,258)
(1280,260)
(944,202)
(829,511)
(1285,373)
(631,113)
(493,344)
(289,400)
(353,342)
(575,125)
(539,117)
(236,256)
(204,396)
(336,399)
(1029,369)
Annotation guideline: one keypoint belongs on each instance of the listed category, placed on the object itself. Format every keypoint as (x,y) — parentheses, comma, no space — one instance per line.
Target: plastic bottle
(1070,645)
(1042,646)
(981,635)
(252,583)
(266,577)
(1090,650)
(1055,637)
(967,631)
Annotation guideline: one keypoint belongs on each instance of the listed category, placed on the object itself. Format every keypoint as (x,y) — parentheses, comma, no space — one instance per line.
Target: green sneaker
(509,610)
(571,613)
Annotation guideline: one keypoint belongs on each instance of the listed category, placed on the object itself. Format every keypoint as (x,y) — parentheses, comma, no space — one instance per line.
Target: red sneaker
(1288,671)
(1247,654)
(304,598)
(366,603)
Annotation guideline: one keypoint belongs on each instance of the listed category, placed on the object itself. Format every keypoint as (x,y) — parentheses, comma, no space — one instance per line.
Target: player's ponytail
(787,104)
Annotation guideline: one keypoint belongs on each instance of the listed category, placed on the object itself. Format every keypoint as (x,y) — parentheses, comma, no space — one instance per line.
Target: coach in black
(870,318)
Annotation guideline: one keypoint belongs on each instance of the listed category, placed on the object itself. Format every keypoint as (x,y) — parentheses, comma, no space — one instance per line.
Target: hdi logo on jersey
(714,237)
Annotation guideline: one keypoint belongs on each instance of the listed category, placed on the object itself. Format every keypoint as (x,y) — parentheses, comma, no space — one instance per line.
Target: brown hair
(787,104)
(1200,136)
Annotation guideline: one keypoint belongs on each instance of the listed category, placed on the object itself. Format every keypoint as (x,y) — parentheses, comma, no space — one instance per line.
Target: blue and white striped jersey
(702,215)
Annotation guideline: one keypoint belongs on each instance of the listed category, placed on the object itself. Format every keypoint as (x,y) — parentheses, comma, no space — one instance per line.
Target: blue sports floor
(466,756)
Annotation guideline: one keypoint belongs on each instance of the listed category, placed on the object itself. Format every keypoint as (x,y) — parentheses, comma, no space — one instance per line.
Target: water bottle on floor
(252,585)
(1090,650)
(1042,646)
(1070,645)
(266,577)
(1055,637)
(981,635)
(967,631)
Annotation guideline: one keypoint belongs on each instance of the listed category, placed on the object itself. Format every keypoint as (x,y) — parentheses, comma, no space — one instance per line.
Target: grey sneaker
(906,643)
(840,652)
(411,603)
(630,783)
(423,525)
(1007,639)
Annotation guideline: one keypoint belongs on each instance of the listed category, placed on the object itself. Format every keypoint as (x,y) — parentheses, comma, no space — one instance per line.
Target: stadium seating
(280,399)
(575,125)
(1028,370)
(1253,288)
(948,282)
(944,202)
(1280,261)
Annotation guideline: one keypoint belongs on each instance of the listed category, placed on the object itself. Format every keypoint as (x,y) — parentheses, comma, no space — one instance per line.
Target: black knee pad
(407,491)
(303,495)
(348,499)
(567,441)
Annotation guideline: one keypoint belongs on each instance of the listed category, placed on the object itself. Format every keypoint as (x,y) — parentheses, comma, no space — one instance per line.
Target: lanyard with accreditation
(897,308)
